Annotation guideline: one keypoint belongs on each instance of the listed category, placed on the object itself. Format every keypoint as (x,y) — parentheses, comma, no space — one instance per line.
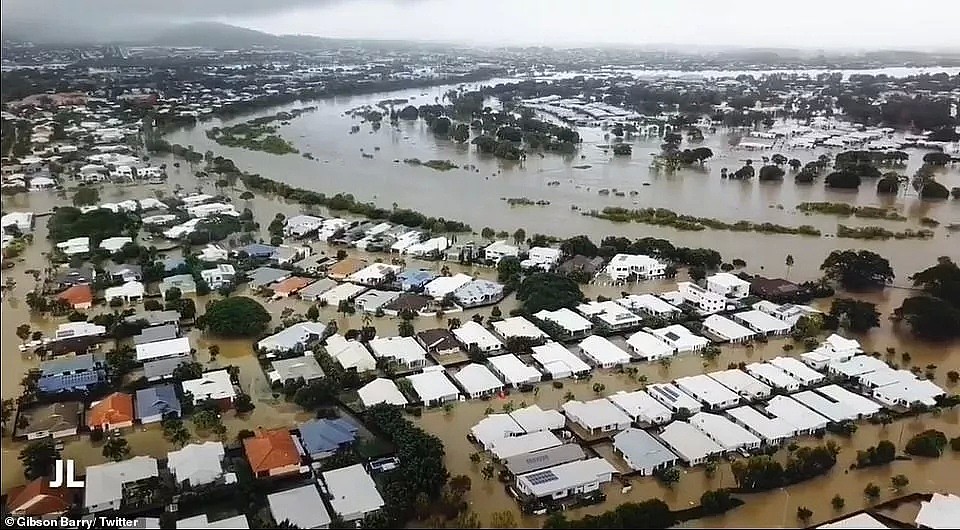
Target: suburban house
(286,254)
(160,333)
(154,402)
(643,409)
(272,453)
(709,392)
(775,289)
(302,507)
(342,269)
(164,349)
(837,403)
(405,352)
(513,371)
(111,413)
(438,341)
(321,438)
(789,313)
(55,420)
(289,286)
(478,293)
(802,419)
(624,267)
(535,419)
(182,282)
(553,456)
(301,225)
(543,258)
(725,330)
(213,253)
(375,300)
(835,348)
(77,297)
(219,276)
(215,385)
(518,327)
(771,429)
(581,265)
(105,483)
(128,292)
(762,323)
(801,372)
(263,276)
(678,401)
(352,493)
(494,427)
(727,434)
(572,478)
(315,290)
(477,381)
(596,417)
(650,305)
(642,452)
(198,464)
(375,274)
(558,361)
(381,390)
(602,353)
(569,324)
(772,376)
(434,387)
(37,499)
(414,280)
(124,272)
(680,338)
(649,347)
(470,334)
(744,385)
(908,392)
(350,354)
(728,285)
(706,302)
(498,250)
(295,338)
(343,292)
(439,287)
(610,315)
(66,374)
(303,367)
(689,443)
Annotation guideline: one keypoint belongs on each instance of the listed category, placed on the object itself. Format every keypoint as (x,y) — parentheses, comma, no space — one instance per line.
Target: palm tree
(569,396)
(789,263)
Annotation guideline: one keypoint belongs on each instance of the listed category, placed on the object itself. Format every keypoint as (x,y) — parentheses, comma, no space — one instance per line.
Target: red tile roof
(114,409)
(271,450)
(38,498)
(291,285)
(77,295)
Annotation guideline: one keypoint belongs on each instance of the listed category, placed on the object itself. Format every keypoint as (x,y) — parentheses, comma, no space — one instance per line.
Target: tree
(579,245)
(697,274)
(38,458)
(175,431)
(872,491)
(467,519)
(771,173)
(237,316)
(243,403)
(844,179)
(795,164)
(313,313)
(669,476)
(461,133)
(856,315)
(598,388)
(899,482)
(205,419)
(789,262)
(857,269)
(460,485)
(172,295)
(716,501)
(519,236)
(487,233)
(86,196)
(503,519)
(7,407)
(929,317)
(23,332)
(546,290)
(953,376)
(929,443)
(940,281)
(804,513)
(405,328)
(116,448)
(246,196)
(509,271)
(837,502)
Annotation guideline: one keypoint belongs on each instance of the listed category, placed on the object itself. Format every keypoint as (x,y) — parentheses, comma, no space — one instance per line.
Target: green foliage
(871,490)
(884,452)
(38,458)
(237,316)
(856,315)
(86,196)
(649,514)
(548,291)
(67,223)
(116,448)
(929,443)
(509,271)
(857,269)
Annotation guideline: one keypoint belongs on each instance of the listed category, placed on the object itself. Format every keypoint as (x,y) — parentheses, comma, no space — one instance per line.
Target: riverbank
(258,134)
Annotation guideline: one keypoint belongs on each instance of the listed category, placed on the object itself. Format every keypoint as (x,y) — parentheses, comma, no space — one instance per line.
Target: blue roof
(67,365)
(60,383)
(415,278)
(258,250)
(172,264)
(157,400)
(325,435)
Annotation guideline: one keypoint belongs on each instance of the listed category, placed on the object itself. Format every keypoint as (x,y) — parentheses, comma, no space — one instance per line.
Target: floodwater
(477,194)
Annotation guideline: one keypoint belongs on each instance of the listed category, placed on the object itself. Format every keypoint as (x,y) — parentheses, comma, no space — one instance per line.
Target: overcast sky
(860,24)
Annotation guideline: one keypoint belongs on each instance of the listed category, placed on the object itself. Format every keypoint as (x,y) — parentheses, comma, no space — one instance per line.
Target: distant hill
(215,35)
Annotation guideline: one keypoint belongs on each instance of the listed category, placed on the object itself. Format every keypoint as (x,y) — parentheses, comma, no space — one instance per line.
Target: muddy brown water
(764,509)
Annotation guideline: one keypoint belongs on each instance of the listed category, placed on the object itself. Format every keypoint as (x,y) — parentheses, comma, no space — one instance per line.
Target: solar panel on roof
(671,335)
(541,477)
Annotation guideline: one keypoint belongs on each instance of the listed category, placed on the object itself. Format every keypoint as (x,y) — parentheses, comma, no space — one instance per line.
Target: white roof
(762,322)
(795,414)
(472,333)
(352,491)
(842,344)
(647,302)
(854,401)
(526,443)
(211,385)
(494,427)
(297,334)
(350,353)
(557,359)
(602,351)
(198,463)
(513,369)
(727,280)
(910,391)
(517,327)
(548,481)
(773,374)
(767,428)
(610,313)
(797,370)
(344,291)
(405,350)
(302,506)
(534,419)
(477,378)
(104,482)
(741,383)
(641,406)
(668,393)
(433,385)
(706,389)
(885,377)
(443,285)
(688,442)
(373,273)
(566,319)
(305,366)
(595,414)
(726,328)
(163,348)
(680,337)
(860,521)
(381,390)
(729,435)
(201,521)
(858,365)
(649,346)
(834,409)
(941,511)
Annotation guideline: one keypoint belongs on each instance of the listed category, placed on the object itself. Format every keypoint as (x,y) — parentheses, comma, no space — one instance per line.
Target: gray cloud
(113,11)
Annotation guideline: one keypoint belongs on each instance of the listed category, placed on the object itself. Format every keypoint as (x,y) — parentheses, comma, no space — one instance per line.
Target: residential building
(558,361)
(477,381)
(79,297)
(643,409)
(164,349)
(289,286)
(405,352)
(105,483)
(381,390)
(263,276)
(596,417)
(219,276)
(678,401)
(602,353)
(414,280)
(572,478)
(213,253)
(55,420)
(941,511)
(797,370)
(154,402)
(272,453)
(477,293)
(498,250)
(712,394)
(301,225)
(342,269)
(315,290)
(525,443)
(321,438)
(375,274)
(302,507)
(38,499)
(215,385)
(182,282)
(160,333)
(23,221)
(642,452)
(434,387)
(689,443)
(513,371)
(705,302)
(834,349)
(350,354)
(518,327)
(624,267)
(128,292)
(163,369)
(439,341)
(793,413)
(535,419)
(771,429)
(473,335)
(495,427)
(569,325)
(856,366)
(198,464)
(610,315)
(65,374)
(297,337)
(773,288)
(343,292)
(431,248)
(287,255)
(545,458)
(837,403)
(581,265)
(762,323)
(303,367)
(114,244)
(726,330)
(374,300)
(774,377)
(909,392)
(352,493)
(728,285)
(727,434)
(680,338)
(650,305)
(441,286)
(542,258)
(745,386)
